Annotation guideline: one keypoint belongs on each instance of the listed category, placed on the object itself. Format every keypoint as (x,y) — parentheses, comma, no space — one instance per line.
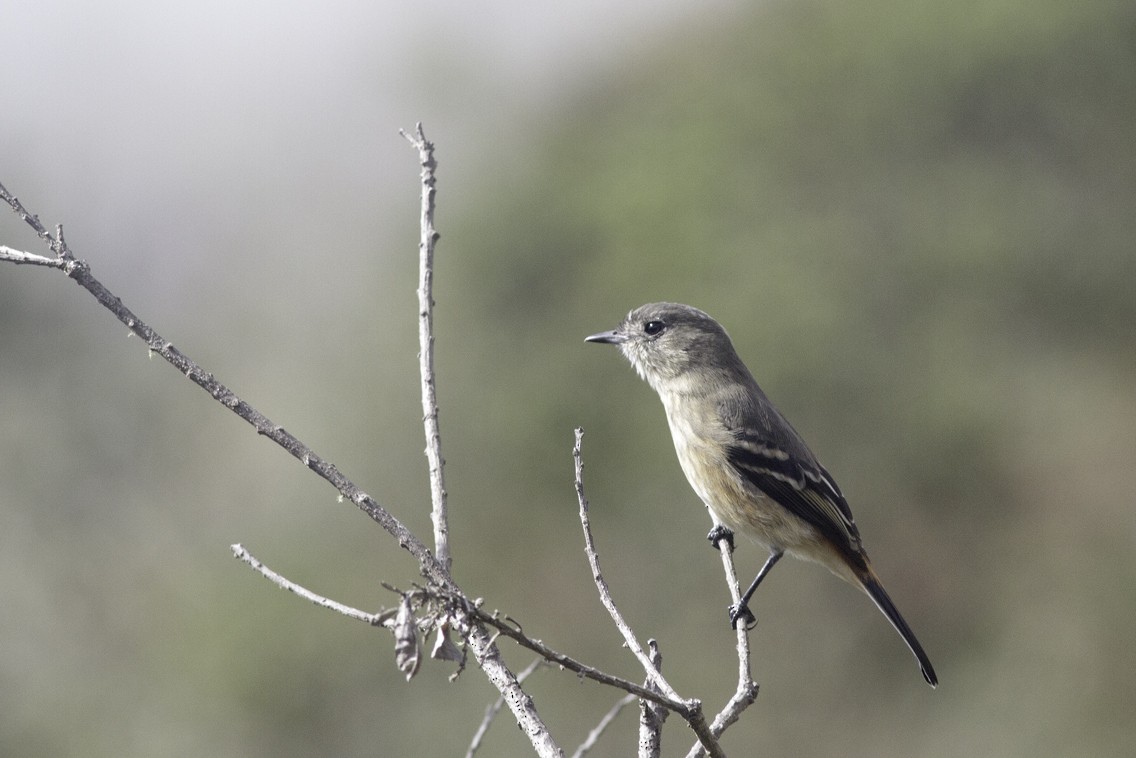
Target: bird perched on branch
(748,465)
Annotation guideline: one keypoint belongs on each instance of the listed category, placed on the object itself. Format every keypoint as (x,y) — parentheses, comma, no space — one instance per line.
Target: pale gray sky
(169,132)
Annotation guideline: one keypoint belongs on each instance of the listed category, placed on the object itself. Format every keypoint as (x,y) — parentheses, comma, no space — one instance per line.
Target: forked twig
(692,711)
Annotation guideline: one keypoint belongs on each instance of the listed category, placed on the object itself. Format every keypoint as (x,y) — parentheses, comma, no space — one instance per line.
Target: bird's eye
(654,327)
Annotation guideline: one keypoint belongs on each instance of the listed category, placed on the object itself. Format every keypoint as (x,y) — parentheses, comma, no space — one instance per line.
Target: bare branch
(480,642)
(429,236)
(597,732)
(453,609)
(382,618)
(725,548)
(386,618)
(485,651)
(20,257)
(80,272)
(653,674)
(488,656)
(478,639)
(692,710)
(746,692)
(651,716)
(507,629)
(495,708)
(58,246)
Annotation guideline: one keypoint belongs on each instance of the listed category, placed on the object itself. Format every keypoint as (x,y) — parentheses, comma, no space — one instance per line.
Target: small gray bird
(748,465)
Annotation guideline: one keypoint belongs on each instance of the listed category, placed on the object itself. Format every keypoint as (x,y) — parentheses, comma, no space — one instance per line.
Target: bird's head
(667,341)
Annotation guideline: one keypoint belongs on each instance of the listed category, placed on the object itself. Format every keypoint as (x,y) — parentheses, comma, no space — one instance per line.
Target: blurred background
(915,219)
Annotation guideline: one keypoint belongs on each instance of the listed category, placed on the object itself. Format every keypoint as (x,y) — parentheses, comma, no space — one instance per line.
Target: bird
(743,459)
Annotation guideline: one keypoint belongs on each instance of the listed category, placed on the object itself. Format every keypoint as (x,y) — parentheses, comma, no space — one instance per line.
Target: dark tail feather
(876,591)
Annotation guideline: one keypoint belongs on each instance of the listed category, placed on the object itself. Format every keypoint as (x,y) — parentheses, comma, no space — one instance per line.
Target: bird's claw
(742,613)
(719,533)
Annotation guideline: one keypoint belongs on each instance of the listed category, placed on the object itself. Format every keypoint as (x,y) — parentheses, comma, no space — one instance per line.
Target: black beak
(610,338)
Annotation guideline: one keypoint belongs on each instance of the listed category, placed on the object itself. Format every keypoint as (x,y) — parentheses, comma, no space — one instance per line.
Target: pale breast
(731,500)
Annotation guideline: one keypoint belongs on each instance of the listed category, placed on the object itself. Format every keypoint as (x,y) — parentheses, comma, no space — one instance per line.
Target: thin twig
(546,653)
(652,716)
(495,708)
(55,243)
(429,236)
(374,619)
(746,692)
(507,629)
(597,732)
(633,645)
(692,711)
(725,548)
(20,257)
(484,647)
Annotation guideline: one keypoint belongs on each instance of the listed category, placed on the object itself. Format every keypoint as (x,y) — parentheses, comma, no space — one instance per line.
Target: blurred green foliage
(915,219)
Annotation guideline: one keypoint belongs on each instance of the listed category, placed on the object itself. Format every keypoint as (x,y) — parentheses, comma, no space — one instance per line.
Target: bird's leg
(719,533)
(741,611)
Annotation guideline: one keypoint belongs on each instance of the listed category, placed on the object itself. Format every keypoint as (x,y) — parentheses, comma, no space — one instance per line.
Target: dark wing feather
(778,463)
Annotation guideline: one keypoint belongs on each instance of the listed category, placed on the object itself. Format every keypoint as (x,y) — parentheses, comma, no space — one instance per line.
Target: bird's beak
(610,338)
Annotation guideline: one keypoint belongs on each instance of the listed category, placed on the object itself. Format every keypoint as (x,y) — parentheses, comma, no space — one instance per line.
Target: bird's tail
(871,584)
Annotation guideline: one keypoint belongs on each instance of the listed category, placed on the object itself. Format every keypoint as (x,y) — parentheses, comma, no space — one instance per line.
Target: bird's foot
(739,612)
(719,533)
